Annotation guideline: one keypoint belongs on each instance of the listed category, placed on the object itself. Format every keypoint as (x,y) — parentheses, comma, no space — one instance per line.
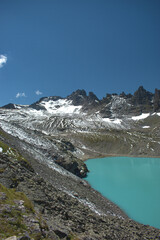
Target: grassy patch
(72,237)
(3,134)
(2,170)
(12,195)
(11,217)
(4,146)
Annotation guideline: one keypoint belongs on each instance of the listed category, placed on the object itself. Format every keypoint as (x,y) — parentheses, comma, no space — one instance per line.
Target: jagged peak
(142,96)
(79,92)
(92,96)
(12,106)
(141,90)
(88,101)
(9,106)
(78,97)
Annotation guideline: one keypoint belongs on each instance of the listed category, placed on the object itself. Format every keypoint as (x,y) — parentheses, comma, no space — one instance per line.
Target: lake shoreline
(121,180)
(120,155)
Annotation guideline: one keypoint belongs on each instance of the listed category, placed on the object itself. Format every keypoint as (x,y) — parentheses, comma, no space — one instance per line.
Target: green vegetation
(95,138)
(2,170)
(102,142)
(11,214)
(72,237)
(4,147)
(3,134)
(15,209)
(11,195)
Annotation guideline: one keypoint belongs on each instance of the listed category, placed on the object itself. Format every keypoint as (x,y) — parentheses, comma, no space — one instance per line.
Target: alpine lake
(131,183)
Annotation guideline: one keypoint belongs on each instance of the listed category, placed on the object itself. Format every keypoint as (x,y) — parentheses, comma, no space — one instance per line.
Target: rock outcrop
(142,100)
(78,97)
(18,217)
(9,106)
(157,100)
(142,97)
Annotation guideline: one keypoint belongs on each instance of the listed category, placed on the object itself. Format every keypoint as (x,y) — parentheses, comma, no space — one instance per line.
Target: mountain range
(42,151)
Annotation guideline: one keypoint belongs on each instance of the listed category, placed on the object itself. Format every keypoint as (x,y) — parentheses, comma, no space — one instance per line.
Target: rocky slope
(58,213)
(18,217)
(42,151)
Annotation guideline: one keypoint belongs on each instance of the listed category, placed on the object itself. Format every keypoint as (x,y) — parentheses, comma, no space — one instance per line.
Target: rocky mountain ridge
(142,100)
(56,135)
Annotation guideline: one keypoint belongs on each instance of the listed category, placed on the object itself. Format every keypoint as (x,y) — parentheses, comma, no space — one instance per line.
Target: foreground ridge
(59,214)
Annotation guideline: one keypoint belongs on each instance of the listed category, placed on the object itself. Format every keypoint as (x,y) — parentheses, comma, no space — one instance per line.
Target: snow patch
(61,107)
(115,121)
(35,112)
(17,106)
(1,150)
(155,113)
(90,205)
(85,202)
(140,117)
(146,127)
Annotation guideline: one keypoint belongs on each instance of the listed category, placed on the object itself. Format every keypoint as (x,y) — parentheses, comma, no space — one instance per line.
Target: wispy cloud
(20,95)
(3,60)
(38,92)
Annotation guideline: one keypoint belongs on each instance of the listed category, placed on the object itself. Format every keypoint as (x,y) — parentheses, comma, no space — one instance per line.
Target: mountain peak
(142,96)
(78,97)
(12,106)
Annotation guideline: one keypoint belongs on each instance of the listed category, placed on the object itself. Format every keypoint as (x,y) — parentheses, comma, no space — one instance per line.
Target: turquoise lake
(131,183)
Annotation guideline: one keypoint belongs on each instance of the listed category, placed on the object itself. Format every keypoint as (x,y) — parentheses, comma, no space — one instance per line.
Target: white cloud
(20,95)
(38,92)
(3,60)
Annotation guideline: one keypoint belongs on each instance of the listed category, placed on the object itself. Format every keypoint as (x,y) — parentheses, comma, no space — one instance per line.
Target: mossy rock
(12,195)
(14,154)
(13,207)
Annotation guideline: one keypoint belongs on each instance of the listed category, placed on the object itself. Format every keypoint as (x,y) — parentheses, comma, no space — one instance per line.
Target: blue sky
(54,47)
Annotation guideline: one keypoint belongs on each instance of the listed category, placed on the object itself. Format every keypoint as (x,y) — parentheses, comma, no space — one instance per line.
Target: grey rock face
(141,96)
(157,100)
(9,106)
